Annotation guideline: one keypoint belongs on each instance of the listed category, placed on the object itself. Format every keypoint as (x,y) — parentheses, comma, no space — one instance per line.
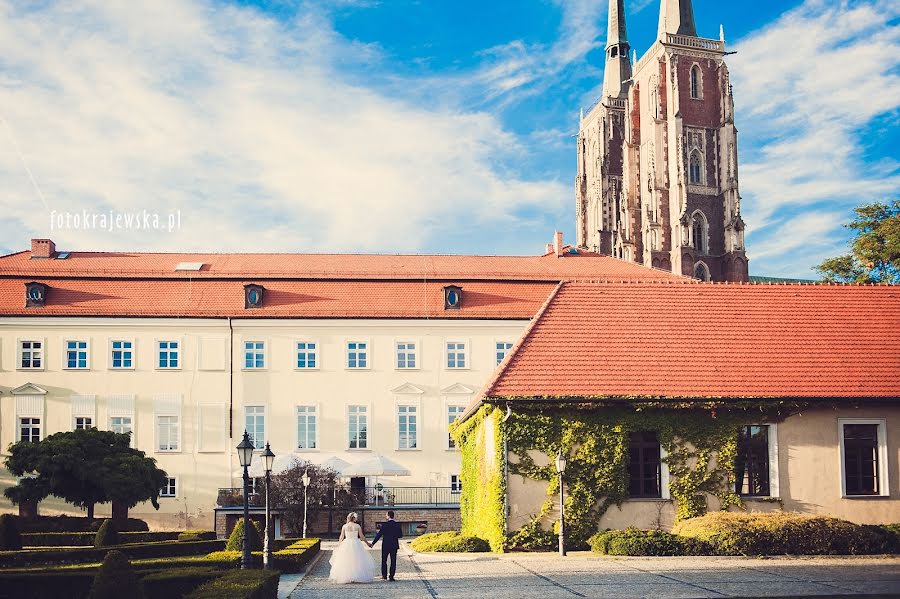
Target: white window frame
(418,412)
(447,407)
(65,354)
(40,427)
(265,415)
(132,349)
(316,353)
(19,351)
(265,354)
(368,350)
(466,354)
(883,471)
(178,353)
(511,344)
(416,353)
(75,419)
(174,494)
(315,413)
(177,428)
(130,426)
(455,487)
(368,407)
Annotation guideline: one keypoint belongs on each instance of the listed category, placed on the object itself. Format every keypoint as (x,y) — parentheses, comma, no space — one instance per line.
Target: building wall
(210,377)
(809,478)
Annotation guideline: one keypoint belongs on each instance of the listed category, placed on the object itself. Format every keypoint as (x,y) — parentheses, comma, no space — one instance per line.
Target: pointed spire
(722,33)
(582,115)
(676,17)
(633,57)
(618,66)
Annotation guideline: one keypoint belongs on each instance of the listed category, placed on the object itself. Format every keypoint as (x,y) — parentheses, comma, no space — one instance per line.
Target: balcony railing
(695,42)
(234,497)
(356,497)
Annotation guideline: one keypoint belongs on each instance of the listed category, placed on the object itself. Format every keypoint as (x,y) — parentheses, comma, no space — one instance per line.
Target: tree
(287,491)
(875,250)
(84,467)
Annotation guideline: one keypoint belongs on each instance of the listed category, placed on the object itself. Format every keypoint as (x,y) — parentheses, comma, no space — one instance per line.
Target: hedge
(90,554)
(289,560)
(732,533)
(116,578)
(196,535)
(646,542)
(75,524)
(240,584)
(177,582)
(451,542)
(10,538)
(86,539)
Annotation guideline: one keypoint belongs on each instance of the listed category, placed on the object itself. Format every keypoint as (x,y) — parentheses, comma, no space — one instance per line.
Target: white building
(323,356)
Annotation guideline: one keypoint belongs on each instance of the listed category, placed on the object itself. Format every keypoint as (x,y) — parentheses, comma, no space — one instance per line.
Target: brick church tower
(657,178)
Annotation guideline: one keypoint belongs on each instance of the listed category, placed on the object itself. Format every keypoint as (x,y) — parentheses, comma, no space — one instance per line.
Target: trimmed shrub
(197,535)
(115,579)
(240,584)
(81,555)
(177,582)
(236,540)
(76,524)
(732,533)
(632,541)
(450,542)
(10,539)
(86,539)
(293,558)
(46,584)
(107,536)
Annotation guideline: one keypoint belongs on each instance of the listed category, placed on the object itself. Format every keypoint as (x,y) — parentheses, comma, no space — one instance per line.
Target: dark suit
(390,535)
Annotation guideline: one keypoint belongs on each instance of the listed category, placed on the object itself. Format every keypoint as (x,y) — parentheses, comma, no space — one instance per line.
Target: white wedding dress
(351,561)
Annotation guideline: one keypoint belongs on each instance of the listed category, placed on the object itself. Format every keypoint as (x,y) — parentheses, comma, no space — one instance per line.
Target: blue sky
(410,126)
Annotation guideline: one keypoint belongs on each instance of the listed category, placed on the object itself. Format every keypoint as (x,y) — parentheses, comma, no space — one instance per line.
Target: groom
(389,534)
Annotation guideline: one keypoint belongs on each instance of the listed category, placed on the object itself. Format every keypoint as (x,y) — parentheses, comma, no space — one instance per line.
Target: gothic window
(698,232)
(695,168)
(701,272)
(696,87)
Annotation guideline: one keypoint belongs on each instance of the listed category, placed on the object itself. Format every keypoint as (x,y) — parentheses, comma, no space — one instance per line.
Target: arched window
(701,272)
(698,232)
(695,82)
(695,168)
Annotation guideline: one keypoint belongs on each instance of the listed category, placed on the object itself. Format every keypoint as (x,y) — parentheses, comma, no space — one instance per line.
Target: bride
(350,561)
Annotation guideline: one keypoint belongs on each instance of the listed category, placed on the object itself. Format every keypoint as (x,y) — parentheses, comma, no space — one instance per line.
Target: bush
(86,539)
(450,542)
(197,535)
(632,541)
(10,539)
(236,540)
(732,533)
(532,537)
(177,582)
(81,555)
(293,558)
(45,584)
(76,524)
(107,536)
(240,584)
(116,578)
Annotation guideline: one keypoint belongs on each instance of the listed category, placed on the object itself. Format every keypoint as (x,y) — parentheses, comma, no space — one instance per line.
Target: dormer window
(452,297)
(35,295)
(253,296)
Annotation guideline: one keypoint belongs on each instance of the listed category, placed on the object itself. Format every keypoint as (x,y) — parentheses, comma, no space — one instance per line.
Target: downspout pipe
(506,472)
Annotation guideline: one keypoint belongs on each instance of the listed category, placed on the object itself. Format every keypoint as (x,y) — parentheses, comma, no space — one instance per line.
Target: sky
(418,126)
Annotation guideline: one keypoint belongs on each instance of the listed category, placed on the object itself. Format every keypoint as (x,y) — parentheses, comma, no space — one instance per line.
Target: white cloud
(248,126)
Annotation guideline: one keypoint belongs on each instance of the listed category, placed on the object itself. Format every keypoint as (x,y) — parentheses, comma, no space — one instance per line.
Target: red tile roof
(708,341)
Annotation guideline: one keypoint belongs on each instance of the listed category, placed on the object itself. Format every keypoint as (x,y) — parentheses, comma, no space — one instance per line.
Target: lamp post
(560,469)
(305,502)
(267,547)
(245,455)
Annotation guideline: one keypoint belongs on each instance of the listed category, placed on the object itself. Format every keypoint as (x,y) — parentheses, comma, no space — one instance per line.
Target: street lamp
(267,548)
(305,502)
(245,456)
(560,469)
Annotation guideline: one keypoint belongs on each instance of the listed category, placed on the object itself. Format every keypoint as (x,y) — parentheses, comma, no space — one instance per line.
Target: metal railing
(356,497)
(234,497)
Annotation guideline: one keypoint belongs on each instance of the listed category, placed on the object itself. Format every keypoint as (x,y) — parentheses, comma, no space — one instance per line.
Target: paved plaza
(546,576)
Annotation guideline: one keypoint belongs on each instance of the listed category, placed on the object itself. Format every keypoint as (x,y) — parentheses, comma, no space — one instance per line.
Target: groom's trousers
(384,559)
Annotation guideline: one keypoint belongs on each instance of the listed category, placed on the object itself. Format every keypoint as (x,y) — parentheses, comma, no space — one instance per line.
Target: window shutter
(29,406)
(84,405)
(120,405)
(167,404)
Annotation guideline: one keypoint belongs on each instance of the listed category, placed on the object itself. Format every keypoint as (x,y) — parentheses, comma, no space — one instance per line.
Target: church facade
(657,174)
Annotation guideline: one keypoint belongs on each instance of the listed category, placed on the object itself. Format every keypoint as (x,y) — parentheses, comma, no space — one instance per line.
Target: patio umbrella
(335,463)
(376,465)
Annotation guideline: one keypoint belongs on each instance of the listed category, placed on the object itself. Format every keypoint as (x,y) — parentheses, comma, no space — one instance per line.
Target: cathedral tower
(657,156)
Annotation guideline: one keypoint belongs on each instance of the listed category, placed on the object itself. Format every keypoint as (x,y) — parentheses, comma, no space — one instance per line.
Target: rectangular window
(31,355)
(456,354)
(255,424)
(122,354)
(452,413)
(76,355)
(644,461)
(121,425)
(358,425)
(306,427)
(30,430)
(752,467)
(167,429)
(168,355)
(406,355)
(254,355)
(502,348)
(170,489)
(455,484)
(863,453)
(357,354)
(83,422)
(307,355)
(406,427)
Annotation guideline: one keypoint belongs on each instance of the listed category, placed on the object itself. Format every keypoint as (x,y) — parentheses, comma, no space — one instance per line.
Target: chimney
(549,249)
(42,248)
(558,243)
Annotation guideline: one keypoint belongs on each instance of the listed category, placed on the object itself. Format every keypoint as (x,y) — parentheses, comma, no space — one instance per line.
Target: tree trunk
(119,511)
(90,511)
(28,509)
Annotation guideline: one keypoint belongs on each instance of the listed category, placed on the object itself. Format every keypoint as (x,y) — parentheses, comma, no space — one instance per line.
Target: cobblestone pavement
(547,576)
